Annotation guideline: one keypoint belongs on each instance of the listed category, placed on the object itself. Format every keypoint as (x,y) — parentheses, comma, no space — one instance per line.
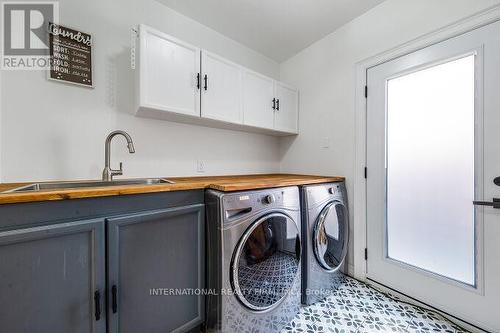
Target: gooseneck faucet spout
(108,173)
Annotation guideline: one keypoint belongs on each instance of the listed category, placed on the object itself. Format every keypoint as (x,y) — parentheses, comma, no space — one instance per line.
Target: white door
(221,91)
(168,73)
(286,111)
(258,95)
(433,147)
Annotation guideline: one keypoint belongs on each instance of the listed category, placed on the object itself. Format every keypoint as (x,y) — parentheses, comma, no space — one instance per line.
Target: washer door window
(266,262)
(331,234)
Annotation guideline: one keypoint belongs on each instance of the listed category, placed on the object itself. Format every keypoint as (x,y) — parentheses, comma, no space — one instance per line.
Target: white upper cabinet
(286,111)
(221,89)
(168,70)
(258,94)
(177,81)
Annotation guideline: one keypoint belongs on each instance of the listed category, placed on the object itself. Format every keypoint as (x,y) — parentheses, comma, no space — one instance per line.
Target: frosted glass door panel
(430,169)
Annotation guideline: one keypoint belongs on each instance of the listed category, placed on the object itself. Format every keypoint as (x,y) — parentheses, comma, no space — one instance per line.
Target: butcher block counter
(221,183)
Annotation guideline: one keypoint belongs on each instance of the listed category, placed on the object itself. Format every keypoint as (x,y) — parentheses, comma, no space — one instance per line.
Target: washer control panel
(334,189)
(318,194)
(253,199)
(269,199)
(236,205)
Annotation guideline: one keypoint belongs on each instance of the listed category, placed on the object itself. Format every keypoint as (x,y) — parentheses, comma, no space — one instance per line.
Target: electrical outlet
(325,143)
(200,166)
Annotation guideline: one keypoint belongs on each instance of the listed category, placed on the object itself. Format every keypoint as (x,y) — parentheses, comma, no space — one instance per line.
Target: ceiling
(278,29)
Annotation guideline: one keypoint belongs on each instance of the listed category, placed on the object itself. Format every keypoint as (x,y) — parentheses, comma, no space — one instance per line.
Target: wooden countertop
(221,183)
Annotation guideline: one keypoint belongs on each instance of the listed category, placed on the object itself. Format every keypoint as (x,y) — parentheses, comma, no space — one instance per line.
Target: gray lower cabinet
(151,254)
(95,265)
(52,278)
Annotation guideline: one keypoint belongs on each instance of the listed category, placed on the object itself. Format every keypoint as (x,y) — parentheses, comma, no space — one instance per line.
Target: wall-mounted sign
(70,55)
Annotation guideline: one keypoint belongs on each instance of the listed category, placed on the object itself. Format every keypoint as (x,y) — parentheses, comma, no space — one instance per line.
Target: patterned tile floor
(357,308)
(263,284)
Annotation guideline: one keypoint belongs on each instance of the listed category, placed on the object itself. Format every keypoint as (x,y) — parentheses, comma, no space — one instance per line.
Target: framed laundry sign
(70,55)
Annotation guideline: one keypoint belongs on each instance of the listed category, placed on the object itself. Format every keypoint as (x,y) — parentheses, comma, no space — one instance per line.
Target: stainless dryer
(253,261)
(325,238)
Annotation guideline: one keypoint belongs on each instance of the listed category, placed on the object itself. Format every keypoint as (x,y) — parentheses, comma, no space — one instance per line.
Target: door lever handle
(495,203)
(497,181)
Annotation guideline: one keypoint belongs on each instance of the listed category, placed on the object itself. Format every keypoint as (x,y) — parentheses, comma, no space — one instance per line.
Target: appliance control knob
(331,190)
(269,199)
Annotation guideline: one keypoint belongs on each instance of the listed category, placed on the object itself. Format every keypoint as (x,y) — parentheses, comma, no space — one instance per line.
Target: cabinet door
(149,254)
(286,115)
(168,73)
(258,94)
(52,278)
(221,94)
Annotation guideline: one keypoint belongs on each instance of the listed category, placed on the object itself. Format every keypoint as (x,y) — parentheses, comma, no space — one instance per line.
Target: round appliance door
(266,262)
(330,237)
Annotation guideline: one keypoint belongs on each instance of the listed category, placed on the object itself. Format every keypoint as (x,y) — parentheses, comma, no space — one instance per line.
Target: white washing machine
(253,260)
(325,239)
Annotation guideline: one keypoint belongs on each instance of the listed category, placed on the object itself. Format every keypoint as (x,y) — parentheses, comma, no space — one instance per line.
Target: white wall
(50,130)
(325,76)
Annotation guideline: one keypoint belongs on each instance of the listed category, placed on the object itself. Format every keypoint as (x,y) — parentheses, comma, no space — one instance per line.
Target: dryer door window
(266,262)
(330,237)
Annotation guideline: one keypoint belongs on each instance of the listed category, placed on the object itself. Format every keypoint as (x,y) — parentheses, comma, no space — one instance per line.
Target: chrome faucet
(108,173)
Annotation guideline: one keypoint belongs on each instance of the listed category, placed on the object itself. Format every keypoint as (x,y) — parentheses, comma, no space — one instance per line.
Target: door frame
(472,22)
(467,24)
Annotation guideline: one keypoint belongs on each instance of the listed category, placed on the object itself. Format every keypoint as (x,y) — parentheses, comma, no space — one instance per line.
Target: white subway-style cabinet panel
(258,95)
(221,89)
(168,70)
(287,106)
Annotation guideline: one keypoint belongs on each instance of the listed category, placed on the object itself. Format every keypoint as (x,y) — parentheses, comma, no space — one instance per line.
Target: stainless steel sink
(93,183)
